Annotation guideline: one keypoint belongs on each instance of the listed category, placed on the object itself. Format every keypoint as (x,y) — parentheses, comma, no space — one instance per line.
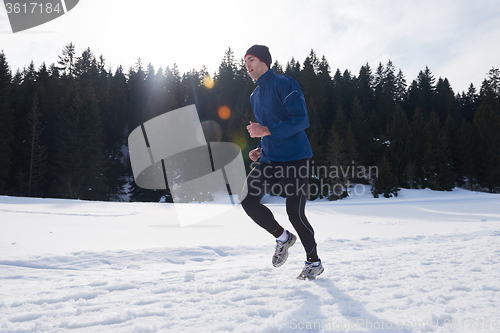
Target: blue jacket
(278,103)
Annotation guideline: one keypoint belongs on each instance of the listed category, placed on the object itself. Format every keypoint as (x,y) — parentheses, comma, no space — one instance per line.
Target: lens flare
(240,141)
(212,131)
(208,82)
(224,112)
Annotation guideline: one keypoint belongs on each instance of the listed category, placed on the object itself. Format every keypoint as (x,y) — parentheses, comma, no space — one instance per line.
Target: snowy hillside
(422,262)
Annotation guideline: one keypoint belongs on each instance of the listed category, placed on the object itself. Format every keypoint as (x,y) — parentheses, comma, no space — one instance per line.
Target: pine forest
(64,126)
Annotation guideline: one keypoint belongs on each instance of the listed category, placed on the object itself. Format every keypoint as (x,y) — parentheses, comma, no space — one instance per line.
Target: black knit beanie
(261,52)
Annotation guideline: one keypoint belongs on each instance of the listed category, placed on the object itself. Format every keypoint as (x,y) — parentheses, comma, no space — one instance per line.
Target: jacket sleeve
(295,107)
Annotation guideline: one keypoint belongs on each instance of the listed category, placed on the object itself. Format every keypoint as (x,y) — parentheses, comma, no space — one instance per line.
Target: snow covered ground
(422,262)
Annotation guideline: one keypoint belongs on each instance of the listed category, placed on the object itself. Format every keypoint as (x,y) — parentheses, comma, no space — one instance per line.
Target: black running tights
(293,177)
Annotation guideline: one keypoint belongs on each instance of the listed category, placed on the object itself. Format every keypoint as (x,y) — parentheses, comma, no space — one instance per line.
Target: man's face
(255,66)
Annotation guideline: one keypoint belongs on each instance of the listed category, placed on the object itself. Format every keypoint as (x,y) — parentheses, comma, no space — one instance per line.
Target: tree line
(64,127)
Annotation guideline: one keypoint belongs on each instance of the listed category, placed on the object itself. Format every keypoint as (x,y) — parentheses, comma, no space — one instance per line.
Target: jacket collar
(264,78)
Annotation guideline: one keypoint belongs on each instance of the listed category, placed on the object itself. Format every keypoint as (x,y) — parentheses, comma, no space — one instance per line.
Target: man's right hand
(254,154)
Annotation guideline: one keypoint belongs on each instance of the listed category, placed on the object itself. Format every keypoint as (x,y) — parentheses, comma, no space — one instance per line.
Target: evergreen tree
(19,176)
(440,174)
(315,132)
(292,69)
(494,80)
(79,151)
(326,91)
(277,68)
(313,89)
(242,112)
(115,120)
(426,88)
(173,88)
(339,90)
(51,89)
(137,96)
(364,89)
(86,69)
(451,129)
(6,122)
(400,93)
(400,150)
(139,112)
(378,79)
(115,124)
(444,102)
(386,183)
(160,98)
(421,145)
(38,154)
(225,78)
(351,145)
(469,156)
(489,93)
(225,91)
(487,123)
(468,103)
(349,86)
(308,78)
(336,159)
(361,132)
(67,60)
(340,122)
(385,95)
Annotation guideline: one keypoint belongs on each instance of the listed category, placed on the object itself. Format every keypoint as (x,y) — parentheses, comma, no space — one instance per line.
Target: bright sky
(457,39)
